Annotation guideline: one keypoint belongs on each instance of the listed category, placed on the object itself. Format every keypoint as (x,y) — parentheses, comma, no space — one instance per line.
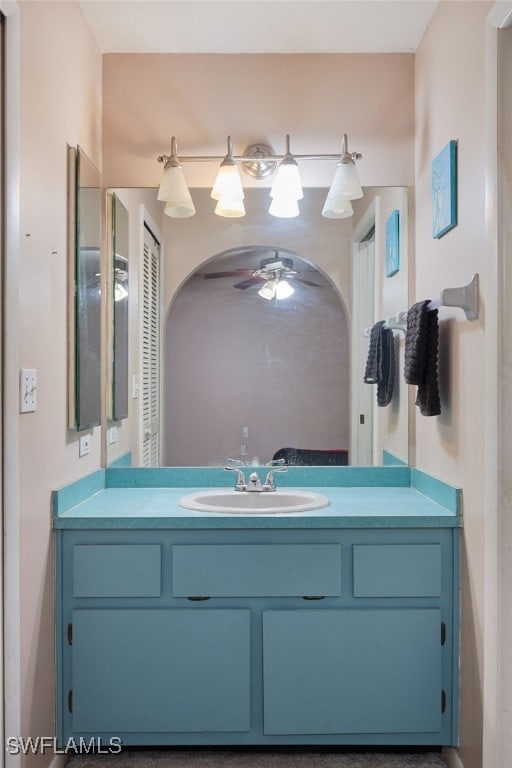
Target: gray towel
(380,363)
(421,352)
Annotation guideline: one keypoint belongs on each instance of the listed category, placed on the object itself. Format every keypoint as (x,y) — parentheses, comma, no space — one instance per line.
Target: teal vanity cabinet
(287,632)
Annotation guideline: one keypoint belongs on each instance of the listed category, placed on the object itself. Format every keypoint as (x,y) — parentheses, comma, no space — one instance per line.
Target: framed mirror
(85,292)
(119,249)
(214,324)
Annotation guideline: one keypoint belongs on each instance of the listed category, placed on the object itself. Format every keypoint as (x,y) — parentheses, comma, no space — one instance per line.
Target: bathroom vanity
(334,626)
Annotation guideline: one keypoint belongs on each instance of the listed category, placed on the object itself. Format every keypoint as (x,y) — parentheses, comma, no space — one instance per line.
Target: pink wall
(59,103)
(450,70)
(257,97)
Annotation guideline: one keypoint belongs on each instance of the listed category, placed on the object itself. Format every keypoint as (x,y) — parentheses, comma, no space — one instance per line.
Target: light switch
(28,390)
(135,387)
(112,435)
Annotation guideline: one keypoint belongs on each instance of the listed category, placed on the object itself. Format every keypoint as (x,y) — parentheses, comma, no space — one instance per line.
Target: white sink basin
(254,502)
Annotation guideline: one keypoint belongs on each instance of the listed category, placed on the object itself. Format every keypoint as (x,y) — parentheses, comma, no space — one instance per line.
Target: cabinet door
(161,670)
(352,671)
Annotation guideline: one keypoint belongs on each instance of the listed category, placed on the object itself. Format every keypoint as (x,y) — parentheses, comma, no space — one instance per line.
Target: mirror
(119,292)
(209,327)
(85,292)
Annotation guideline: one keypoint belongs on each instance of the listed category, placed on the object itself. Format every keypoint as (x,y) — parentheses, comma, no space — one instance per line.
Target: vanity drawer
(256,570)
(117,570)
(397,570)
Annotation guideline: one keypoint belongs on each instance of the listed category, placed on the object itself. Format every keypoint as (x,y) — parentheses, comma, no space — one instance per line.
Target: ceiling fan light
(268,290)
(120,291)
(284,290)
(337,208)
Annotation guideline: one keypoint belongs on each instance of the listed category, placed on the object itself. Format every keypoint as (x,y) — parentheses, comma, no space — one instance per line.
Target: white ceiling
(258,26)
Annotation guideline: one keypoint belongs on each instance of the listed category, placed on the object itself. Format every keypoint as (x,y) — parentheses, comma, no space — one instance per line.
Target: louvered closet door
(150,353)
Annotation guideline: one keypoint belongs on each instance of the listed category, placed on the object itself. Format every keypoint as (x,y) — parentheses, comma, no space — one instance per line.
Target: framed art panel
(392,244)
(444,190)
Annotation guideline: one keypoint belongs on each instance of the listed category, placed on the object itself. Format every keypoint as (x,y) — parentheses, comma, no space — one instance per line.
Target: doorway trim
(497,660)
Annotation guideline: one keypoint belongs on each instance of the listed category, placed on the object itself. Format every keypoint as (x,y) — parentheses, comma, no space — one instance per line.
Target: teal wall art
(444,190)
(392,244)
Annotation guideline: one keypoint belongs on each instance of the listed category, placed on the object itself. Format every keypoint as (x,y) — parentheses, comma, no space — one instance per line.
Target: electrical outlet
(112,435)
(243,450)
(84,445)
(28,390)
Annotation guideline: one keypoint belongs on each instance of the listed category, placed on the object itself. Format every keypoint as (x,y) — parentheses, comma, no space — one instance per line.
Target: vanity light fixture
(287,187)
(258,162)
(173,187)
(228,190)
(345,185)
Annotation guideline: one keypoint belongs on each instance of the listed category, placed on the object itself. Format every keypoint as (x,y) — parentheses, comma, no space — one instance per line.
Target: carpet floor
(259,758)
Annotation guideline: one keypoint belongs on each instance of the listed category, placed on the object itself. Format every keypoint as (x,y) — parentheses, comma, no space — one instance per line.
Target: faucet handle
(276,463)
(269,484)
(232,463)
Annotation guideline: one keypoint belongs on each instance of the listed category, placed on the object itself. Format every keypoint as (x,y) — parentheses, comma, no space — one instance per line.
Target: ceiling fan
(272,268)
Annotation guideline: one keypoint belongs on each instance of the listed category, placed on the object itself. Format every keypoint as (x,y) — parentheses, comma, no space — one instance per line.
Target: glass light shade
(337,208)
(120,291)
(174,192)
(268,291)
(228,183)
(346,182)
(284,290)
(180,209)
(173,185)
(284,208)
(287,183)
(231,208)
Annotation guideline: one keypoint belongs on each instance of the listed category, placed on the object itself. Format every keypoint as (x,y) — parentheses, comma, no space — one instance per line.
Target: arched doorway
(247,376)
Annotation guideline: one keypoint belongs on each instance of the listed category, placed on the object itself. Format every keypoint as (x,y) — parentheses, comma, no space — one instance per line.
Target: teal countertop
(361,497)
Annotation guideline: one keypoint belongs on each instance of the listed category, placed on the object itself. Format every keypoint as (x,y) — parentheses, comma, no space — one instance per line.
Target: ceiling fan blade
(248,283)
(232,273)
(308,282)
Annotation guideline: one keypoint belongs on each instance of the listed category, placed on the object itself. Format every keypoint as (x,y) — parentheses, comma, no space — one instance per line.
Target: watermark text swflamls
(40,745)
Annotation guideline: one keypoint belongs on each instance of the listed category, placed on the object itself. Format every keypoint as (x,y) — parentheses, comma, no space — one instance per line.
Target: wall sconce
(228,188)
(173,187)
(258,162)
(345,185)
(287,187)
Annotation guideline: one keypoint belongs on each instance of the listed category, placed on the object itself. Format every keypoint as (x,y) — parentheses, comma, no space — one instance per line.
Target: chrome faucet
(255,484)
(233,465)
